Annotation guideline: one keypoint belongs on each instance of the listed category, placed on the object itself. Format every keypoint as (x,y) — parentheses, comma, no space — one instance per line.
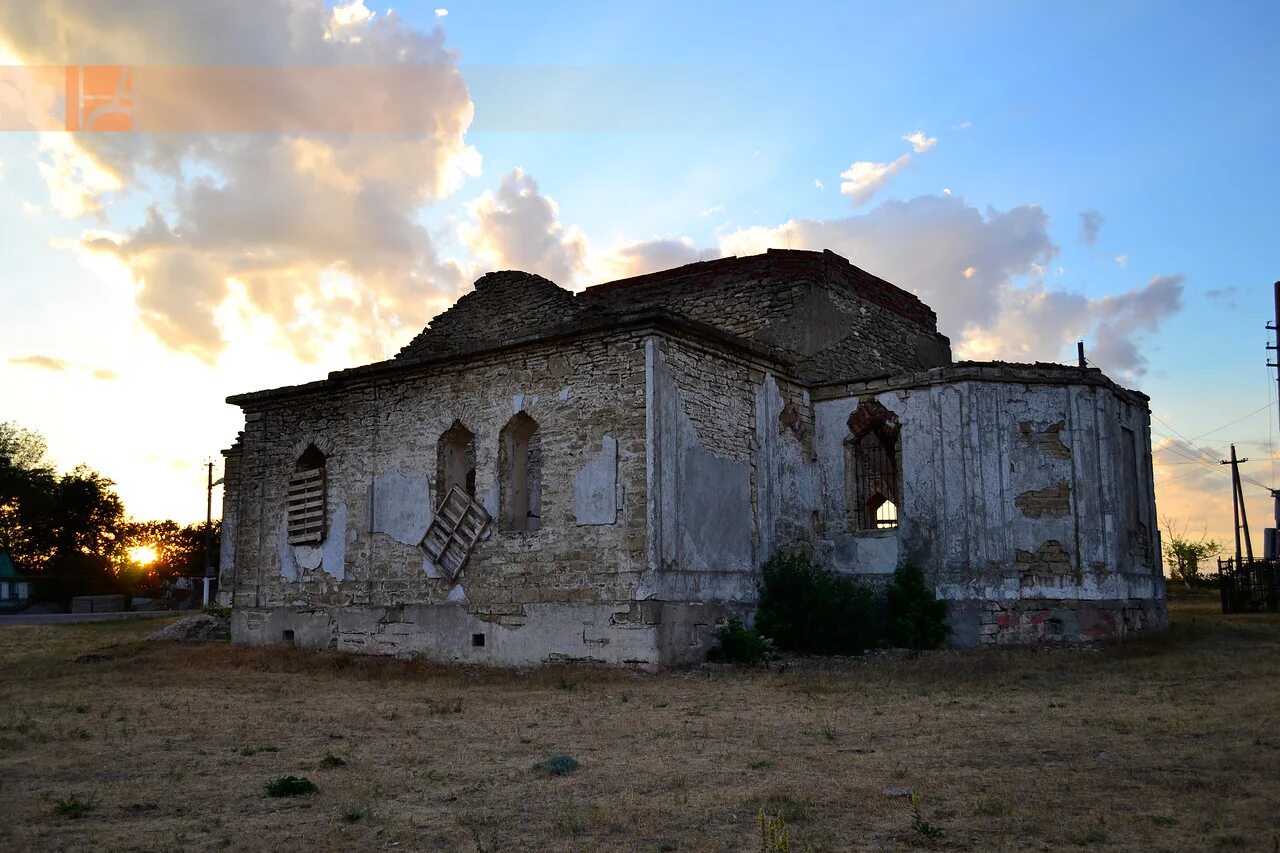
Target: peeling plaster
(402,506)
(335,544)
(595,487)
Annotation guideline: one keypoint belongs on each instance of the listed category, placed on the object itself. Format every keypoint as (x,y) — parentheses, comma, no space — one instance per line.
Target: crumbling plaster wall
(701,422)
(1012,492)
(379,438)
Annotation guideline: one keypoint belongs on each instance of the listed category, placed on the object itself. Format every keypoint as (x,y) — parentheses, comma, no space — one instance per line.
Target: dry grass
(1169,743)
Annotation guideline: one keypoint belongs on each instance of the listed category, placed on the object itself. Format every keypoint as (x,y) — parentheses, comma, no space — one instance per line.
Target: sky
(1037,174)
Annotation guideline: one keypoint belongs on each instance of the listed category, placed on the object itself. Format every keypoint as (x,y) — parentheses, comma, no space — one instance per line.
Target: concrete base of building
(641,633)
(1043,620)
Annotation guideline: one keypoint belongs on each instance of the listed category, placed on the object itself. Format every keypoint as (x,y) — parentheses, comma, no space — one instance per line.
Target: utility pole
(1237,505)
(1271,542)
(208,530)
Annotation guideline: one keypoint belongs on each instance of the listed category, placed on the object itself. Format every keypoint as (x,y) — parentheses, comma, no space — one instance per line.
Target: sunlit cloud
(864,178)
(517,227)
(919,142)
(277,213)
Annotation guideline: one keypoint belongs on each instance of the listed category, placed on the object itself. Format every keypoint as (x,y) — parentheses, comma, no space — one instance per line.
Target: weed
(569,823)
(557,765)
(247,751)
(761,764)
(739,644)
(444,708)
(784,806)
(331,760)
(1163,820)
(1086,837)
(355,812)
(74,807)
(774,837)
(290,786)
(919,824)
(990,805)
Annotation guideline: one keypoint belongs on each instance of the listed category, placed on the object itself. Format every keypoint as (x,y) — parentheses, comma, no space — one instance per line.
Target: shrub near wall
(808,609)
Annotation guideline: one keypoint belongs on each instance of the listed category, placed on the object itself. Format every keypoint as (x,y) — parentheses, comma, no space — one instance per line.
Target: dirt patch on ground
(1166,743)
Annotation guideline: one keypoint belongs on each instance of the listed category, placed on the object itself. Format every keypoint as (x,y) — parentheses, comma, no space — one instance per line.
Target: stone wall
(379,436)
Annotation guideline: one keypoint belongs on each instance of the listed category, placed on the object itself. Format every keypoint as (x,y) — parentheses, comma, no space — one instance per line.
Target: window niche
(306,499)
(456,460)
(520,474)
(873,468)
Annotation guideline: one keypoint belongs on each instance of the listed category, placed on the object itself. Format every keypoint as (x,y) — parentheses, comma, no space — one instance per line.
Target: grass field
(1166,743)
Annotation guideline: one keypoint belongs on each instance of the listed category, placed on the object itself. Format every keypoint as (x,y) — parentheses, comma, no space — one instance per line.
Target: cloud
(1035,322)
(318,235)
(440,13)
(1225,295)
(817,183)
(964,125)
(919,142)
(43,362)
(711,211)
(864,178)
(1090,225)
(1122,260)
(983,273)
(60,365)
(651,256)
(519,228)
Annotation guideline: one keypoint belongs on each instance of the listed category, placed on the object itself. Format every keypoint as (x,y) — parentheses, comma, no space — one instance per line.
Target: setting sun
(143,555)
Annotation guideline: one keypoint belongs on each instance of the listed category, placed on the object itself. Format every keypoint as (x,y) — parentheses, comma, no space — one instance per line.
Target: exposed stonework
(1052,501)
(1047,439)
(643,446)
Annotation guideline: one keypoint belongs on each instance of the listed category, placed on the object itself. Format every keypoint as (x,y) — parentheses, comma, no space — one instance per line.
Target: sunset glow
(143,555)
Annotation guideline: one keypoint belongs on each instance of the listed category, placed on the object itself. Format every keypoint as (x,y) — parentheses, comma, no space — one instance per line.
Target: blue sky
(706,123)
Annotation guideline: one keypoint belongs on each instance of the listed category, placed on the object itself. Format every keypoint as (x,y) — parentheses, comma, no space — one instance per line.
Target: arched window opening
(873,476)
(456,461)
(306,499)
(520,471)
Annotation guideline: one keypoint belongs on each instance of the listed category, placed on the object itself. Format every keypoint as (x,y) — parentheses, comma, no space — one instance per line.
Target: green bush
(739,644)
(808,609)
(917,620)
(290,786)
(557,765)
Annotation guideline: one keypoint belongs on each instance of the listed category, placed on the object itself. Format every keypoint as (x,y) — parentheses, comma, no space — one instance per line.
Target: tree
(65,528)
(1185,553)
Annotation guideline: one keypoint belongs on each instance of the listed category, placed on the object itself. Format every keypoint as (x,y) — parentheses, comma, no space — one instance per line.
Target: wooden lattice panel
(459,523)
(306,507)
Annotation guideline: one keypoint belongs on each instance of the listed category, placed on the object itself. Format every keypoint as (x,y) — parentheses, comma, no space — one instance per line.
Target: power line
(1236,421)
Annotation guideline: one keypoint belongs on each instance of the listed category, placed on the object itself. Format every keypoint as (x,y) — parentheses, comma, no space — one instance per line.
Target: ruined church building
(544,475)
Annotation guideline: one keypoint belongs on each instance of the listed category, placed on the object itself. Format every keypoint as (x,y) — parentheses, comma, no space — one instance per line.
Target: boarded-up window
(307,499)
(520,471)
(459,522)
(873,479)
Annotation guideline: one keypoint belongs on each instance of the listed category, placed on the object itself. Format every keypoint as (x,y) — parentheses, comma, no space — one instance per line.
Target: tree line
(71,535)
